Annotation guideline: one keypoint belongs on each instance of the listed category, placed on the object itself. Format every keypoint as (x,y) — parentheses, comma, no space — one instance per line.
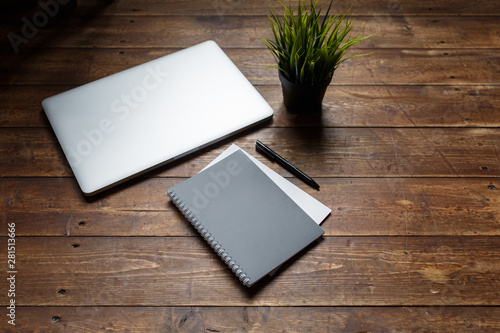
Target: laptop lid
(127,123)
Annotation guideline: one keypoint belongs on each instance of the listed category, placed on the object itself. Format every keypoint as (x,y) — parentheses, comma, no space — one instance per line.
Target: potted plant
(308,49)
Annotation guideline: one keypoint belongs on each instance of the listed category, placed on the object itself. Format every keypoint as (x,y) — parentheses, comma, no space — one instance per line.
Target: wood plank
(395,106)
(261,7)
(262,319)
(344,106)
(337,152)
(400,253)
(184,271)
(21,105)
(383,67)
(246,32)
(360,207)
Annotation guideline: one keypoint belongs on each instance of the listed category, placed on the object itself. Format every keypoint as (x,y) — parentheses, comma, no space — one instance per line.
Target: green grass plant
(308,48)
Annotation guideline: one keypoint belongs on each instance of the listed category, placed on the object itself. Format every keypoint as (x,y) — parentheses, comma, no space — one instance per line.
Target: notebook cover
(246,218)
(314,208)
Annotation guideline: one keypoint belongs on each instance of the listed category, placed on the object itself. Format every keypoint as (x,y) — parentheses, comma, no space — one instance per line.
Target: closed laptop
(125,124)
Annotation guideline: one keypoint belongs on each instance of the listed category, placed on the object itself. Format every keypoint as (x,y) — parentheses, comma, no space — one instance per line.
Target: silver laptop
(125,124)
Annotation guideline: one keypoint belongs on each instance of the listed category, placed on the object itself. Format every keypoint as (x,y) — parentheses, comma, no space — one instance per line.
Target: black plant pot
(303,98)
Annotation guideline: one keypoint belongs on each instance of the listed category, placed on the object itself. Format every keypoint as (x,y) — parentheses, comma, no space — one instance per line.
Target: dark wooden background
(406,152)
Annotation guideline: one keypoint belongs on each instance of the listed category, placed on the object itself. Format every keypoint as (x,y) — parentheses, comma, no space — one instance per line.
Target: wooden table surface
(406,152)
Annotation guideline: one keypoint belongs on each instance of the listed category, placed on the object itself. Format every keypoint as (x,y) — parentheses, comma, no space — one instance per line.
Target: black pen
(284,163)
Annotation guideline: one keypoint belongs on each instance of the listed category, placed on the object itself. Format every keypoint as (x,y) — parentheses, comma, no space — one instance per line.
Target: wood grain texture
(183,271)
(344,106)
(405,151)
(257,319)
(224,8)
(383,67)
(246,32)
(327,152)
(361,207)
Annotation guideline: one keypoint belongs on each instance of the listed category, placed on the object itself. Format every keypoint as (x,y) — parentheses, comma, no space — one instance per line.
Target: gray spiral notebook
(244,216)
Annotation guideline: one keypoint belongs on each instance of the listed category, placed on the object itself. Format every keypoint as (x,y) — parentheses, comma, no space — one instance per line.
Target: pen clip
(259,146)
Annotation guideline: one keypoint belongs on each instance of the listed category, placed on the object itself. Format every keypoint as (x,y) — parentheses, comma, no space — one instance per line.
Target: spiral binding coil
(221,252)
